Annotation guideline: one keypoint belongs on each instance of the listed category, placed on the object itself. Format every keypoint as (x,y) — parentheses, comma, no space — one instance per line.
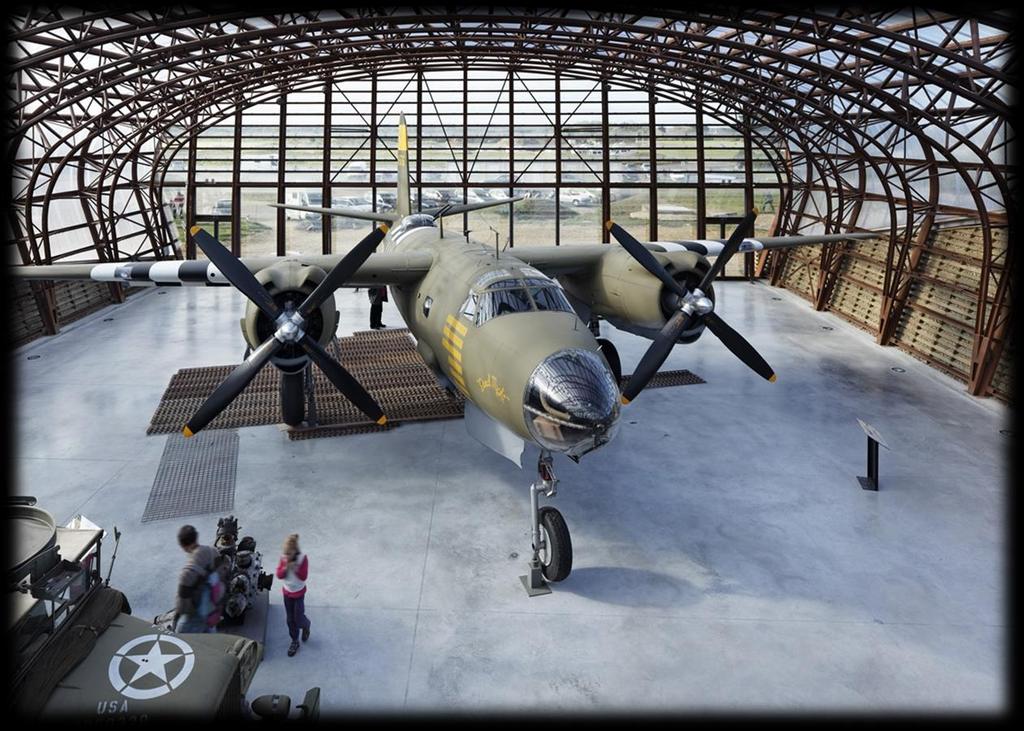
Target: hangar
(726,557)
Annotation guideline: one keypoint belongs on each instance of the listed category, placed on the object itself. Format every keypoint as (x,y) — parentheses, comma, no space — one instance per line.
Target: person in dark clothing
(192,581)
(292,569)
(378,296)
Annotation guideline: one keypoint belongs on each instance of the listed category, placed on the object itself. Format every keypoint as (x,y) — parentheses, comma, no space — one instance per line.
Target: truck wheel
(293,398)
(556,558)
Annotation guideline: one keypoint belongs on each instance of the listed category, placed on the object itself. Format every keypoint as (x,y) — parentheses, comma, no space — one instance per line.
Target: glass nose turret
(572,402)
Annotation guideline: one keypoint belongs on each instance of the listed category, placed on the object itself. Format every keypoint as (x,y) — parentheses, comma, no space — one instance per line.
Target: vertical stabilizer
(402,199)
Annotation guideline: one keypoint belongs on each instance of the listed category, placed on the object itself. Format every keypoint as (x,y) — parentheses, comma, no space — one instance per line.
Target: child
(292,569)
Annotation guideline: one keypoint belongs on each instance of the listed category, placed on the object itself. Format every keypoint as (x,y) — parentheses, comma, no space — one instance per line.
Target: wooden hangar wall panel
(938,320)
(889,120)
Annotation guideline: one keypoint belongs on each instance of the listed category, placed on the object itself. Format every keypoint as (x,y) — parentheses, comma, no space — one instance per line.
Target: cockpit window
(547,294)
(504,293)
(468,309)
(540,281)
(550,298)
(499,301)
(417,220)
(510,296)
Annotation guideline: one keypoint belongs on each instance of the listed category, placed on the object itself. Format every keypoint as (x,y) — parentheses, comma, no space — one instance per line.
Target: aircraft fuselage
(539,372)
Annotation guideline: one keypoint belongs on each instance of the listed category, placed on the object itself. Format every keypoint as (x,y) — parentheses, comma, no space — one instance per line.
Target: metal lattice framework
(888,120)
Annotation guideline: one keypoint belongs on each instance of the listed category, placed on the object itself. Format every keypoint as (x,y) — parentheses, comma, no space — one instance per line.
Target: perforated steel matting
(384,361)
(664,379)
(196,476)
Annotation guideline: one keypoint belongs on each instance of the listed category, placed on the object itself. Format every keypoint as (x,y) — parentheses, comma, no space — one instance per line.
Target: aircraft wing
(713,247)
(555,260)
(376,216)
(378,269)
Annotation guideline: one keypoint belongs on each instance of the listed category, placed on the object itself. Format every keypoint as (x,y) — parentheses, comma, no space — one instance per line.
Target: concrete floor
(725,556)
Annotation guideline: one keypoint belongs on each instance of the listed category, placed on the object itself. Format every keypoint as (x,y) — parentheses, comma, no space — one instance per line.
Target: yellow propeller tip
(625,401)
(195,229)
(754,210)
(382,421)
(772,379)
(608,224)
(384,228)
(188,432)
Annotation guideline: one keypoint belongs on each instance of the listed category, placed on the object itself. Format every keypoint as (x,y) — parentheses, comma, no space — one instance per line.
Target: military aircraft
(508,329)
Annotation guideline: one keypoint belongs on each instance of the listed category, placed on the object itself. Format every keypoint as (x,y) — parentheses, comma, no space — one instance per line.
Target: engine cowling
(289,283)
(631,298)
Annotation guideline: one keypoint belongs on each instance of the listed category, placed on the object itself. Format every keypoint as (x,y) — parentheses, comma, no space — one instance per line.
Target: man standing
(192,581)
(292,569)
(378,296)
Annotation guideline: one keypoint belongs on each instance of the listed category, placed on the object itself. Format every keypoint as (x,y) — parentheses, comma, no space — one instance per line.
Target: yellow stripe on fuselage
(452,350)
(453,344)
(459,327)
(452,337)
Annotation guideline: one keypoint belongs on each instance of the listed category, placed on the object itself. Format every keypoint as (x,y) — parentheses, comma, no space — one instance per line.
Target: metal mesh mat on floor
(384,361)
(196,476)
(664,379)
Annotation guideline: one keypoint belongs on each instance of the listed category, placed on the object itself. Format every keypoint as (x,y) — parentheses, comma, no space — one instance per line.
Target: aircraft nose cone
(572,402)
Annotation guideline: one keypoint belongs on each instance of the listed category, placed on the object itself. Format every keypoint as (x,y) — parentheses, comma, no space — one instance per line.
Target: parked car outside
(578,198)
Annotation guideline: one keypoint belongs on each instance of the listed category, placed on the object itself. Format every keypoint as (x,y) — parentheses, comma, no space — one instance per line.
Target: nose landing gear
(552,547)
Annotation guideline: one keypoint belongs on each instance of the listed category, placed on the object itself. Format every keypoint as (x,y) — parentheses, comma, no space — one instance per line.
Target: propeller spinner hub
(289,328)
(699,303)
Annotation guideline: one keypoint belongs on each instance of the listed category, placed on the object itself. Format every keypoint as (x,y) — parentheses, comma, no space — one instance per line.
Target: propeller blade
(233,385)
(656,354)
(739,346)
(343,270)
(728,250)
(646,259)
(235,272)
(343,380)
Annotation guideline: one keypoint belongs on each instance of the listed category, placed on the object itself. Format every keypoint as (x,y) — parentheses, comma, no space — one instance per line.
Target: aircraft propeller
(289,328)
(693,306)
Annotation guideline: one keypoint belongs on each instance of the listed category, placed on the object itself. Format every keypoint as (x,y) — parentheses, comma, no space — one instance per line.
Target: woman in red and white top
(292,569)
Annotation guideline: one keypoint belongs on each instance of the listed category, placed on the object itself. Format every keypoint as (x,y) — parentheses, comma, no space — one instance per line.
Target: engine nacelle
(619,289)
(289,283)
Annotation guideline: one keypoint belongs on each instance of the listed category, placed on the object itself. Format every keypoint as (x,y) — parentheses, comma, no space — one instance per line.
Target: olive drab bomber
(510,329)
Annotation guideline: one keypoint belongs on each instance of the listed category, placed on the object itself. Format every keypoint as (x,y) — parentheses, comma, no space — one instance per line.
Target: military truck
(78,653)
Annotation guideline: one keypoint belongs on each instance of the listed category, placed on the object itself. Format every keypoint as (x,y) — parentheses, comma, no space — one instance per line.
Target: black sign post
(874,439)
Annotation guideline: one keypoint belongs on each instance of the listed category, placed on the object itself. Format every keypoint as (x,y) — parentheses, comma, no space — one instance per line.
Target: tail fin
(451,210)
(403,200)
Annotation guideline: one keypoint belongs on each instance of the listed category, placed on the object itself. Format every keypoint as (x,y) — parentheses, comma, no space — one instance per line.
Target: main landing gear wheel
(293,398)
(556,553)
(612,356)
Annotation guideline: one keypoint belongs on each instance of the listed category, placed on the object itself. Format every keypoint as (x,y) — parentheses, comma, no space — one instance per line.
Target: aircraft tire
(612,356)
(559,552)
(293,398)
